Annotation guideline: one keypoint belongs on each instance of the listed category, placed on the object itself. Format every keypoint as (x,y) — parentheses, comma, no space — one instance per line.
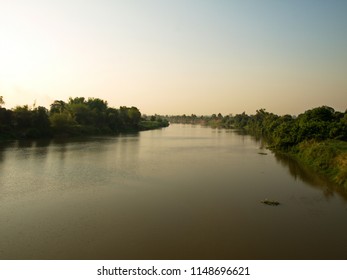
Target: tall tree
(58,106)
(2,102)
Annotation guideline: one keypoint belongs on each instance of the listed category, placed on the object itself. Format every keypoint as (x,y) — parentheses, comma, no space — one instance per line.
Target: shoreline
(143,126)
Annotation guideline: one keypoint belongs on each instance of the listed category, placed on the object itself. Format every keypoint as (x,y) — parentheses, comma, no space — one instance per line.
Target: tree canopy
(285,131)
(77,116)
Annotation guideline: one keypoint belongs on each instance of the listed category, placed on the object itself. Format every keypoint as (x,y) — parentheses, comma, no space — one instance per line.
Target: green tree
(134,116)
(98,108)
(81,113)
(241,120)
(6,120)
(113,120)
(77,100)
(62,122)
(22,117)
(323,113)
(2,102)
(97,104)
(58,106)
(40,126)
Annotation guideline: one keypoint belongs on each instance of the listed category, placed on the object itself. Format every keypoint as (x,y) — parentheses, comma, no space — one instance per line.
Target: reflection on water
(310,178)
(183,192)
(300,172)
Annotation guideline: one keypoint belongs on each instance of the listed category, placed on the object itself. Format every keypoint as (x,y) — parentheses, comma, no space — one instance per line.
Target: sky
(176,56)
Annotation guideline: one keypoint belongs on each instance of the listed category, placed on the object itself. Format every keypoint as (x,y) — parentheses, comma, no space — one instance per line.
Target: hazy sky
(176,56)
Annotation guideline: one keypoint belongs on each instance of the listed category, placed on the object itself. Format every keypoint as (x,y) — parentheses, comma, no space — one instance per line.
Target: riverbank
(328,158)
(76,117)
(149,125)
(316,138)
(81,131)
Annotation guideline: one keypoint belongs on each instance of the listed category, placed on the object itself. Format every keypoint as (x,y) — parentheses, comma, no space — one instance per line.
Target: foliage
(153,122)
(62,122)
(328,157)
(77,116)
(283,132)
(316,137)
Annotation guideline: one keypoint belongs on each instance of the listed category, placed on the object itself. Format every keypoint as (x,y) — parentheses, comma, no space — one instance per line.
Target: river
(182,192)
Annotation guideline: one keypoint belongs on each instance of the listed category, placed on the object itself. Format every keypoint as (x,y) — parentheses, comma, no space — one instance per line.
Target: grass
(328,158)
(147,125)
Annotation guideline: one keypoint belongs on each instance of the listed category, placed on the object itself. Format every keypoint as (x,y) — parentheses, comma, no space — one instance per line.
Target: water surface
(183,192)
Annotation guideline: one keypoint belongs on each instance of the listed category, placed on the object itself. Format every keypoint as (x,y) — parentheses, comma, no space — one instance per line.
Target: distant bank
(76,117)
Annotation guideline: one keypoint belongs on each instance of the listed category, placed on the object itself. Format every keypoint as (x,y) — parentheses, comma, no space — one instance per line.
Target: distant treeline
(77,116)
(283,132)
(317,137)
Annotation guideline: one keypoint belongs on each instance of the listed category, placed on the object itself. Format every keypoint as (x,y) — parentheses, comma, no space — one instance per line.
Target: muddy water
(183,192)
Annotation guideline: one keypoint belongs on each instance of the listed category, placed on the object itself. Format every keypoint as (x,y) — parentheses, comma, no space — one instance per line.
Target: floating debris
(270,202)
(261,153)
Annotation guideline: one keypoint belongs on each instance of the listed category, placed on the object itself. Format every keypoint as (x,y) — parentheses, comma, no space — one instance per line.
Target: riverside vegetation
(317,138)
(76,117)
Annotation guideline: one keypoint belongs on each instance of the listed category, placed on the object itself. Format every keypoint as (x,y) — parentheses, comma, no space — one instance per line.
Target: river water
(182,192)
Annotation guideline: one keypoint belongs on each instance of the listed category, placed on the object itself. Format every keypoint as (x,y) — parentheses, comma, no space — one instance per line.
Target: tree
(2,102)
(323,113)
(81,113)
(97,104)
(22,117)
(6,119)
(98,108)
(77,100)
(112,119)
(134,116)
(58,106)
(62,123)
(241,120)
(40,122)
